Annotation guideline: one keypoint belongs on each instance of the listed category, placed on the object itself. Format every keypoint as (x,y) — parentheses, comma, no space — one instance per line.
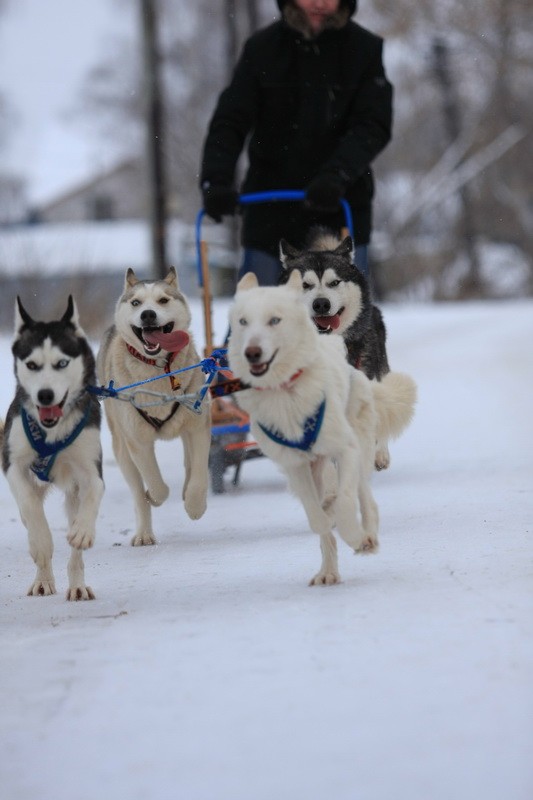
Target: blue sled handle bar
(281,195)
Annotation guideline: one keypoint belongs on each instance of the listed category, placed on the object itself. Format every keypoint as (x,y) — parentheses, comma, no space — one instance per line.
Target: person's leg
(267,268)
(263,265)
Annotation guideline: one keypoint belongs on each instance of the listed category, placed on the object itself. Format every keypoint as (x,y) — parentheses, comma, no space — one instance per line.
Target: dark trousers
(268,268)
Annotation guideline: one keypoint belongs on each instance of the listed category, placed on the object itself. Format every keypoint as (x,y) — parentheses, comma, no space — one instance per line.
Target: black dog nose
(321,306)
(149,317)
(45,397)
(253,354)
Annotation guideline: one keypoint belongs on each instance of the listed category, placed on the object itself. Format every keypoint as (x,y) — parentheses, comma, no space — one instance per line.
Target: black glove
(324,193)
(219,201)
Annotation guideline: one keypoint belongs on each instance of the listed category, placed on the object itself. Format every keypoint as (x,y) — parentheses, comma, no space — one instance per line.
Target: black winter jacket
(306,107)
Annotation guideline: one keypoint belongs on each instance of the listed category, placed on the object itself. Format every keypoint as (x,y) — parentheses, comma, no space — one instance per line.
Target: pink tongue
(50,412)
(328,322)
(173,341)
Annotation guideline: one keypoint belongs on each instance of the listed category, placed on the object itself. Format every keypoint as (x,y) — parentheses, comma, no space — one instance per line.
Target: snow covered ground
(207,669)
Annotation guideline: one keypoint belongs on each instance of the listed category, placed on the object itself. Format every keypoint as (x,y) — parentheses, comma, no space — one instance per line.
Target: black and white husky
(338,299)
(51,436)
(337,295)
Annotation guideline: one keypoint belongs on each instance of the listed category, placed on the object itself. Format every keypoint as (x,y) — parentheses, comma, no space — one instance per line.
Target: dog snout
(45,397)
(321,306)
(149,317)
(253,354)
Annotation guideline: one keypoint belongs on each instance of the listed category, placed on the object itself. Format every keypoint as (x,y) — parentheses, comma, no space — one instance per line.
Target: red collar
(287,385)
(174,382)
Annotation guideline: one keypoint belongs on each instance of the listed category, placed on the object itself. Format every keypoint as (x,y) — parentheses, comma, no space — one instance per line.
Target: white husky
(310,409)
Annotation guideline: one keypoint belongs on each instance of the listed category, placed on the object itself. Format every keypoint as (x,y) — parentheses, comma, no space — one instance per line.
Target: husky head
(335,291)
(53,363)
(271,332)
(153,315)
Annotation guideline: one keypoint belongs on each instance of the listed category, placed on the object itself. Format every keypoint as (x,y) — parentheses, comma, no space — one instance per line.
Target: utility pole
(452,120)
(253,15)
(154,115)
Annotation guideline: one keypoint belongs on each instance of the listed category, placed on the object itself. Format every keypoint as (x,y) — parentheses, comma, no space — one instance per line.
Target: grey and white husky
(150,337)
(51,437)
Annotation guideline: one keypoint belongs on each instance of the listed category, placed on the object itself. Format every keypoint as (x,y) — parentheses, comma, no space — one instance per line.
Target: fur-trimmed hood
(296,19)
(350,4)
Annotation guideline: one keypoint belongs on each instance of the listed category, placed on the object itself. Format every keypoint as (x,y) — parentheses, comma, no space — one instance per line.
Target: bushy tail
(395,398)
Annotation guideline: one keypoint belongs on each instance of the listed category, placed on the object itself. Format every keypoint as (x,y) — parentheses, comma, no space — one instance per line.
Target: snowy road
(207,669)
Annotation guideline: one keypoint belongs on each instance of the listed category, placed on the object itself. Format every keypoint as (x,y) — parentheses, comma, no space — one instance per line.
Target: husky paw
(195,500)
(195,505)
(80,593)
(325,579)
(158,497)
(42,588)
(382,459)
(141,539)
(369,545)
(80,538)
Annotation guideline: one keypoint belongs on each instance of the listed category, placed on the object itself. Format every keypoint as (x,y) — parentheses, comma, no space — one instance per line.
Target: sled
(231,444)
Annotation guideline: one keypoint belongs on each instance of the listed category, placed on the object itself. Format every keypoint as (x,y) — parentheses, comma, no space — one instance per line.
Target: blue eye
(136,303)
(243,321)
(274,321)
(62,364)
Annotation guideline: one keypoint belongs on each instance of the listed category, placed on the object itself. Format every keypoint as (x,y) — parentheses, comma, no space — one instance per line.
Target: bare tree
(490,49)
(155,131)
(423,172)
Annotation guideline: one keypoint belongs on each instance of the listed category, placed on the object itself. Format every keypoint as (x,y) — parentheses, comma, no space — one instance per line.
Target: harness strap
(311,429)
(153,362)
(155,422)
(47,451)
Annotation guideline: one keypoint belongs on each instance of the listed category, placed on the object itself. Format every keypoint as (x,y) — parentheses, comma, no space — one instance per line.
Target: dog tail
(395,398)
(323,240)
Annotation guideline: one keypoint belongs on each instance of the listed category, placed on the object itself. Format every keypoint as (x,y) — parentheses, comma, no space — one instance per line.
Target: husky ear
(172,277)
(22,317)
(345,248)
(131,279)
(248,281)
(71,314)
(295,280)
(287,251)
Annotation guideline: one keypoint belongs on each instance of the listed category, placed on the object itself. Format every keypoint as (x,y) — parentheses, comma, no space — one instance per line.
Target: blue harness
(47,452)
(311,428)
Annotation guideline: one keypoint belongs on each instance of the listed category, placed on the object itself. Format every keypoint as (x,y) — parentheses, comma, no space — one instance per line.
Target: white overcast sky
(46,48)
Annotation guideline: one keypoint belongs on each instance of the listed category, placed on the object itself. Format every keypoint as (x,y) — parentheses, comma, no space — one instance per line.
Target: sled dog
(310,409)
(150,336)
(51,437)
(337,296)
